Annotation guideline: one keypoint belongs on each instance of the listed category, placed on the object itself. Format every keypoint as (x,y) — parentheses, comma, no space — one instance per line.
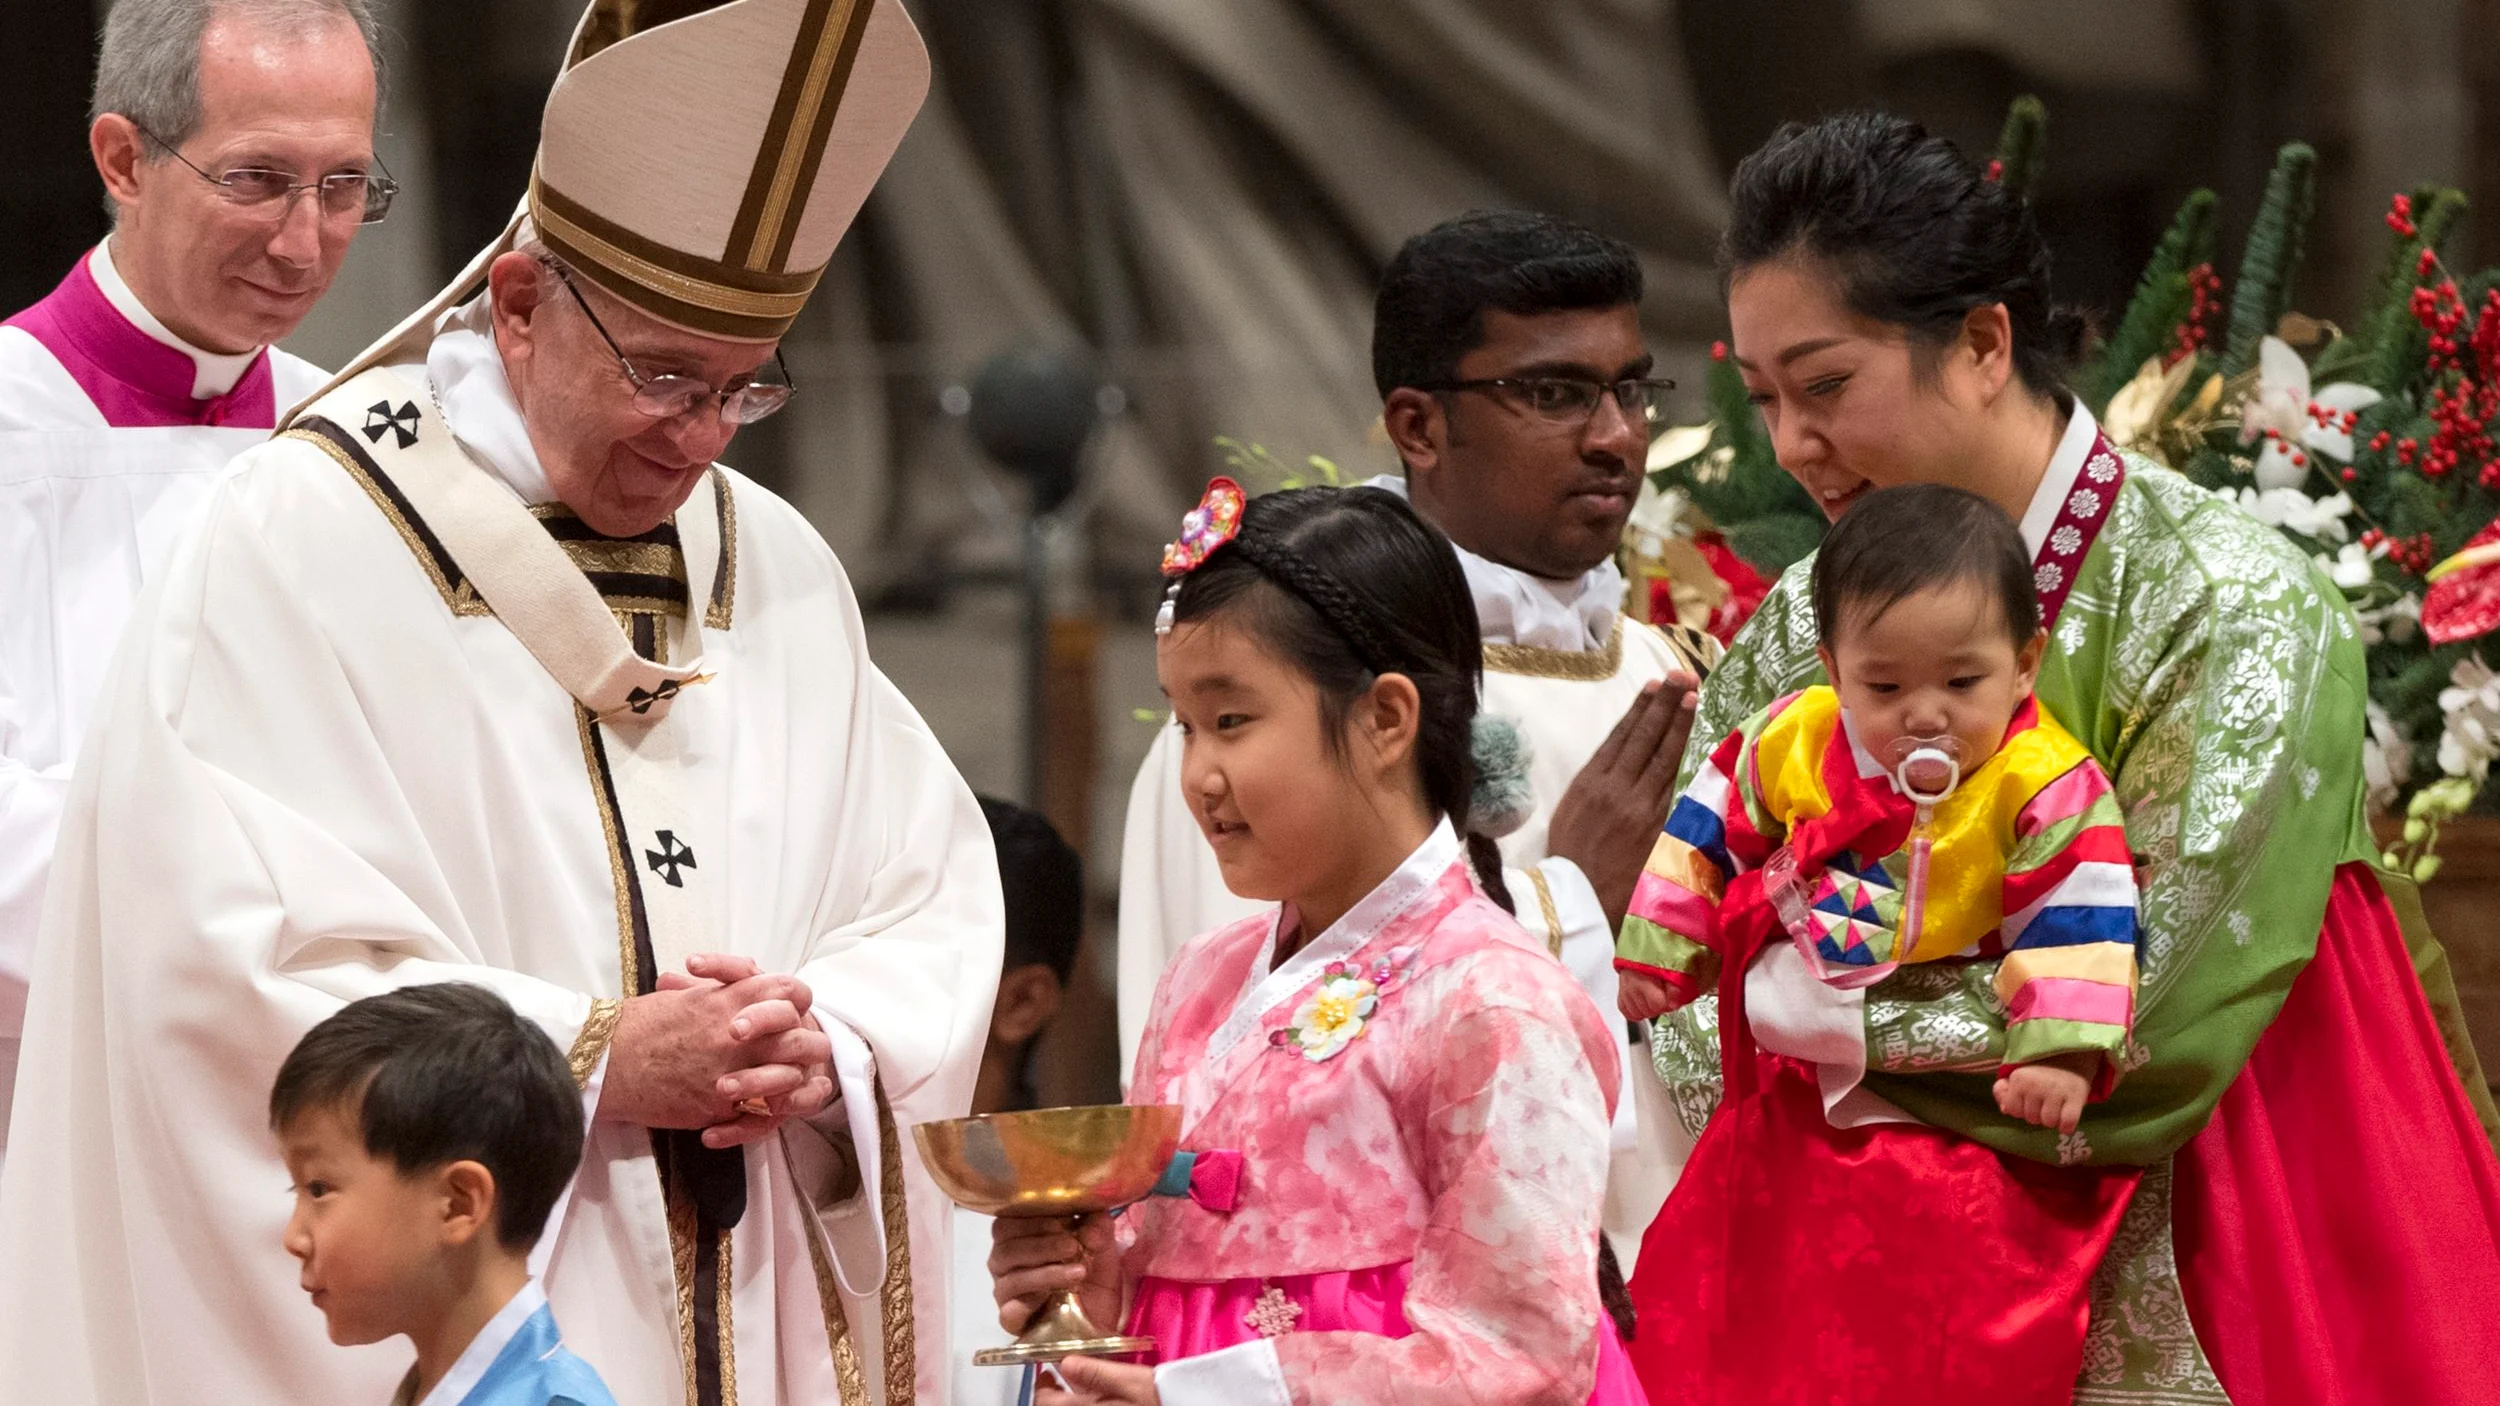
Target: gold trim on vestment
(722,1284)
(626,557)
(894,1296)
(894,1293)
(1579,665)
(850,1377)
(619,873)
(597,1031)
(459,595)
(622,606)
(1545,905)
(725,575)
(681,1232)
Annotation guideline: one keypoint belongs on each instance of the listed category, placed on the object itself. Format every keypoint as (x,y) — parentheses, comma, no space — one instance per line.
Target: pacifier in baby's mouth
(1926,769)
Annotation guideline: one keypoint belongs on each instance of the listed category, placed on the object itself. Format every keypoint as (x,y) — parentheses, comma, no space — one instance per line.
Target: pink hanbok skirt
(1189,1317)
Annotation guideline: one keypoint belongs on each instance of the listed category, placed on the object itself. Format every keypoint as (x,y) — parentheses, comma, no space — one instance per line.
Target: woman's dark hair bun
(2069,332)
(1916,235)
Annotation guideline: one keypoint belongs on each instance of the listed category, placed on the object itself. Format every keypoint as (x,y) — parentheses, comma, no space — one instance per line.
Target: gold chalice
(1053,1162)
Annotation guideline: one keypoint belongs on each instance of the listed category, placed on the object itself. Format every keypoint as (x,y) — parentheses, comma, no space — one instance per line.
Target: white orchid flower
(2350,567)
(2397,620)
(2471,739)
(2300,423)
(2321,519)
(2386,758)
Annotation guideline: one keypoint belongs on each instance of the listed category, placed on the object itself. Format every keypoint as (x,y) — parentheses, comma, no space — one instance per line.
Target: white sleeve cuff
(1245,1374)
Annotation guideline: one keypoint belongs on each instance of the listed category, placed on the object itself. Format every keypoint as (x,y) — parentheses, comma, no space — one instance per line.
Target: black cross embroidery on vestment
(640,699)
(671,857)
(381,419)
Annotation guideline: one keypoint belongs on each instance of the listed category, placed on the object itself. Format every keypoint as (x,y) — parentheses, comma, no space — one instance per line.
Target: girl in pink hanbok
(1395,1102)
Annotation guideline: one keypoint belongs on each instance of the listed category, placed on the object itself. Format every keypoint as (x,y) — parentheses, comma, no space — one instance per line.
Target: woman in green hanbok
(2316,1208)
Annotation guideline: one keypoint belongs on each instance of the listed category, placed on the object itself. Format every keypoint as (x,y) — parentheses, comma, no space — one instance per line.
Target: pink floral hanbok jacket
(1400,1145)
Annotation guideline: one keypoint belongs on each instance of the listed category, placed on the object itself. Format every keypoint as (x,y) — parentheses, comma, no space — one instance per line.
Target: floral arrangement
(2373,449)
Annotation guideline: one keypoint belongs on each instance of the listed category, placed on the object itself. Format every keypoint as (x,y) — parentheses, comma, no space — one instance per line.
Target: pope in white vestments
(408,706)
(113,424)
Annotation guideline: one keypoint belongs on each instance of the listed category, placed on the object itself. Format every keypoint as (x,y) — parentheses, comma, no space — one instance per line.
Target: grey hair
(149,67)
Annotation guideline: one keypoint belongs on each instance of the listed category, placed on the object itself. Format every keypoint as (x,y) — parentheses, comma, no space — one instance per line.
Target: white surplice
(1563,663)
(323,768)
(89,512)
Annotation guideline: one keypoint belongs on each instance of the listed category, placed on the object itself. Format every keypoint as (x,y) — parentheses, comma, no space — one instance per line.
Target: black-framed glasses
(667,397)
(1571,400)
(364,196)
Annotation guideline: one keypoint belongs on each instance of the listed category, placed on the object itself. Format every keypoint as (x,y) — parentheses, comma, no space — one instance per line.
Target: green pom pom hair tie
(1502,800)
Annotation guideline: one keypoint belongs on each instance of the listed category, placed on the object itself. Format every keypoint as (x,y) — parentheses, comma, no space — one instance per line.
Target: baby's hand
(1641,996)
(2050,1094)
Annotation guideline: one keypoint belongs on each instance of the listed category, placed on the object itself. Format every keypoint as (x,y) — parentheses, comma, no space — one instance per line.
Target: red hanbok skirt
(2337,1226)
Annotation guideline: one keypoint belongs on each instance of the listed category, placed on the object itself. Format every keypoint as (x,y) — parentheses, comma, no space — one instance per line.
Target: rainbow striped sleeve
(2068,976)
(1670,931)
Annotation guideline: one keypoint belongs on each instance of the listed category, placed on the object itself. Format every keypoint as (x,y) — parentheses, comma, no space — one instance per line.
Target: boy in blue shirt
(429,1133)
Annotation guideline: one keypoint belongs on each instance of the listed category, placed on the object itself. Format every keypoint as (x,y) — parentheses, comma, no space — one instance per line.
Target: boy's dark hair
(1915,235)
(1896,542)
(1044,881)
(1430,309)
(1347,584)
(442,1073)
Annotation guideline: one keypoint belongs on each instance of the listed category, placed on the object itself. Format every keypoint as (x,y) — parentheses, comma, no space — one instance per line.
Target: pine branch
(2022,146)
(2393,342)
(2271,263)
(2151,322)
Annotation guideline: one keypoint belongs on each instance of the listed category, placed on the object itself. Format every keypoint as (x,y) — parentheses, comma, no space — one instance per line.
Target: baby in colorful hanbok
(1922,807)
(1395,1102)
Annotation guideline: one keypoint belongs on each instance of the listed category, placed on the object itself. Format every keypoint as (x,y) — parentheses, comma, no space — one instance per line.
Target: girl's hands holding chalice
(1033,1258)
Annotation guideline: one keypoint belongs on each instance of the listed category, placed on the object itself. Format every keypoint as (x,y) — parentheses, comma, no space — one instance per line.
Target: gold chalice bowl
(1053,1162)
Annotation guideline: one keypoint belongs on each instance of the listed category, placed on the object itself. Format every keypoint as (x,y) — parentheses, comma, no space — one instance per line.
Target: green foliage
(2214,468)
(2022,144)
(2162,296)
(2271,263)
(1731,408)
(1775,543)
(1770,521)
(2388,350)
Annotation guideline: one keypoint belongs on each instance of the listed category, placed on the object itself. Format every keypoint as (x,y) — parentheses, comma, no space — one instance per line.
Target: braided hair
(1347,584)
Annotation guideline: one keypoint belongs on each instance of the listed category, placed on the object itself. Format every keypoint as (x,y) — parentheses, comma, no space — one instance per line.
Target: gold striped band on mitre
(700,294)
(793,149)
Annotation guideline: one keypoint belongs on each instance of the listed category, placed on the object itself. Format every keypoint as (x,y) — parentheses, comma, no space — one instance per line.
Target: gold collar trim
(1579,665)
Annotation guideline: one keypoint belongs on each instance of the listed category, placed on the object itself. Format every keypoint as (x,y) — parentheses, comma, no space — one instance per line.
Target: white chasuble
(378,726)
(1564,702)
(111,432)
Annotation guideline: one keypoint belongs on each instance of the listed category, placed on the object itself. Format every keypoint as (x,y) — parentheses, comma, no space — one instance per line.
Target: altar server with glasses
(235,142)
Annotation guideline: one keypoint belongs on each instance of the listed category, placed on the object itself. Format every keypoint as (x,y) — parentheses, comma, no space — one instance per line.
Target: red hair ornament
(1215,521)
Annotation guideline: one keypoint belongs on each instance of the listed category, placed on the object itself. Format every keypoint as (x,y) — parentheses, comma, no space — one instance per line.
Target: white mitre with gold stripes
(700,159)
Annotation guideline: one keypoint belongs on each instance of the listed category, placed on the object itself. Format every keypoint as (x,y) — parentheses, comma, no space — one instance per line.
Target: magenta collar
(137,381)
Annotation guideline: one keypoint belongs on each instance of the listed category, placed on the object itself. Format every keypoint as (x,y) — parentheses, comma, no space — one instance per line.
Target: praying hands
(722,1046)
